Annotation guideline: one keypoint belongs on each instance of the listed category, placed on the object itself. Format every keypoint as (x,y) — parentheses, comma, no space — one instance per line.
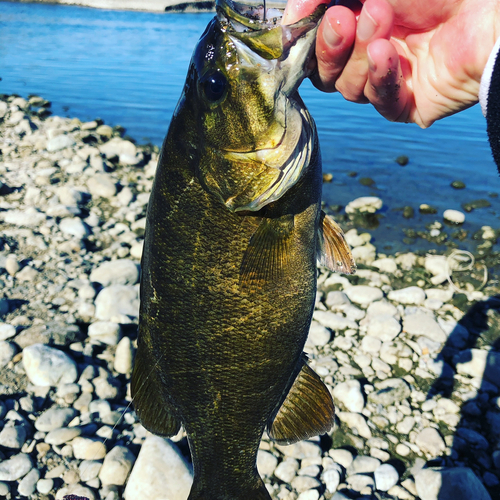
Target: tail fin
(257,491)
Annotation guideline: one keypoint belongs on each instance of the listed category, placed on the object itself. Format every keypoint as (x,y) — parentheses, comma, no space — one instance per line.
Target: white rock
(454,216)
(422,324)
(364,254)
(7,331)
(342,457)
(331,478)
(118,302)
(15,467)
(27,485)
(287,470)
(266,463)
(363,294)
(44,486)
(409,295)
(60,142)
(371,344)
(60,436)
(77,490)
(27,218)
(386,476)
(116,272)
(304,483)
(124,356)
(309,495)
(350,395)
(355,421)
(384,327)
(116,147)
(430,441)
(333,321)
(106,332)
(117,466)
(54,418)
(85,448)
(436,264)
(159,472)
(336,298)
(7,351)
(301,450)
(359,482)
(389,392)
(365,204)
(363,464)
(458,483)
(381,308)
(386,265)
(74,226)
(46,366)
(101,186)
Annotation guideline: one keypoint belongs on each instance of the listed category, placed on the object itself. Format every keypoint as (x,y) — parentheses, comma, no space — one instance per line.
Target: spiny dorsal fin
(149,402)
(307,411)
(268,251)
(333,250)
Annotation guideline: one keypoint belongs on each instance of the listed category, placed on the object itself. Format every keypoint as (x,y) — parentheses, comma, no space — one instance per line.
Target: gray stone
(47,366)
(389,392)
(13,436)
(457,483)
(15,467)
(52,332)
(117,466)
(124,356)
(117,147)
(350,395)
(409,295)
(60,142)
(7,351)
(359,482)
(386,476)
(116,272)
(333,321)
(423,324)
(430,441)
(118,303)
(89,469)
(101,186)
(106,332)
(363,294)
(72,226)
(27,485)
(54,418)
(363,464)
(479,363)
(356,422)
(57,437)
(384,327)
(6,331)
(160,471)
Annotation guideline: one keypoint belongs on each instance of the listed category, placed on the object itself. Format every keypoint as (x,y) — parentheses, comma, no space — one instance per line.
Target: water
(128,68)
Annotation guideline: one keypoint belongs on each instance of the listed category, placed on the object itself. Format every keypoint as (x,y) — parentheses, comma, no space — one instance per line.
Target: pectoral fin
(307,411)
(333,250)
(150,404)
(268,251)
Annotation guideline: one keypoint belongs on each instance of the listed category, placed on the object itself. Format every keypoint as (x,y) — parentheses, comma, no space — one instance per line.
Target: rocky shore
(409,345)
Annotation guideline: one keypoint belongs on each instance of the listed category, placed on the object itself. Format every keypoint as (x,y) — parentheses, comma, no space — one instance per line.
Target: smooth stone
(101,186)
(89,469)
(422,324)
(13,437)
(363,294)
(409,295)
(301,450)
(106,332)
(7,351)
(51,332)
(60,436)
(304,483)
(342,457)
(363,464)
(331,478)
(6,331)
(30,217)
(336,298)
(364,254)
(60,142)
(381,308)
(350,395)
(358,482)
(479,363)
(117,147)
(70,196)
(116,272)
(73,226)
(371,344)
(124,356)
(266,463)
(406,425)
(384,327)
(334,321)
(118,302)
(54,418)
(107,387)
(309,495)
(15,467)
(85,448)
(287,470)
(27,485)
(458,483)
(364,204)
(44,486)
(116,466)
(430,441)
(389,392)
(386,265)
(355,421)
(46,366)
(386,476)
(454,216)
(160,471)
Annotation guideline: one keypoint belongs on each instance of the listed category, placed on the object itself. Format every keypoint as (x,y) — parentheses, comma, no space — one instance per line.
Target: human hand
(414,60)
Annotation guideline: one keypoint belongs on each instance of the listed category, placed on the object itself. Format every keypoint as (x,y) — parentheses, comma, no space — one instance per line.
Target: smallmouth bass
(233,232)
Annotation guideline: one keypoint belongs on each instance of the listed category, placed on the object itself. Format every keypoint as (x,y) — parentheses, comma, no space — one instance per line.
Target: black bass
(229,266)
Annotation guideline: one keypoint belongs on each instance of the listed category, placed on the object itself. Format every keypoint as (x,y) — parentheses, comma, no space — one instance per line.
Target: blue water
(128,68)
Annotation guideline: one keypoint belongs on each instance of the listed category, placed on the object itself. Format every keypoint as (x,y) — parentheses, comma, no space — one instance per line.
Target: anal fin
(307,411)
(150,403)
(333,250)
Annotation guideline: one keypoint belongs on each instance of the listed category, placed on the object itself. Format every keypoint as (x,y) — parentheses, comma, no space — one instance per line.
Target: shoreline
(174,6)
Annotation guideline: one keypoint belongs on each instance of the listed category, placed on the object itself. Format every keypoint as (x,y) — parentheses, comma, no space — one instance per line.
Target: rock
(423,324)
(364,295)
(430,441)
(479,363)
(54,418)
(116,272)
(458,483)
(333,321)
(406,425)
(364,254)
(27,485)
(160,471)
(117,147)
(301,450)
(342,457)
(118,302)
(389,392)
(266,463)
(304,483)
(47,366)
(6,331)
(24,218)
(358,482)
(287,470)
(371,344)
(454,216)
(85,448)
(7,351)
(72,226)
(124,356)
(336,298)
(309,495)
(60,436)
(107,387)
(105,131)
(386,265)
(52,332)
(363,464)
(16,467)
(365,204)
(384,327)
(357,422)
(44,486)
(117,466)
(386,476)
(13,436)
(409,295)
(331,478)
(101,186)
(60,142)
(350,395)
(106,332)
(77,490)
(381,308)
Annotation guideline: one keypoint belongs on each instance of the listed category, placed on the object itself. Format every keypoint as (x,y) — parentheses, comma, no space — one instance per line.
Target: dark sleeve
(493,114)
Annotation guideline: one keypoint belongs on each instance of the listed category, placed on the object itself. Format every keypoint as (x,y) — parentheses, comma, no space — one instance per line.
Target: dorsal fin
(333,250)
(150,404)
(307,411)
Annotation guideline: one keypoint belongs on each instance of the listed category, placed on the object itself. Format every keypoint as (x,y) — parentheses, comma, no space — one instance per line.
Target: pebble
(409,295)
(72,226)
(61,436)
(331,478)
(423,324)
(386,476)
(454,216)
(363,464)
(384,327)
(117,466)
(287,470)
(101,186)
(44,486)
(60,142)
(124,356)
(363,294)
(389,392)
(54,418)
(47,366)
(85,448)
(365,204)
(116,272)
(118,303)
(6,331)
(356,422)
(27,485)
(106,332)
(430,441)
(16,467)
(342,457)
(350,395)
(7,351)
(266,463)
(13,436)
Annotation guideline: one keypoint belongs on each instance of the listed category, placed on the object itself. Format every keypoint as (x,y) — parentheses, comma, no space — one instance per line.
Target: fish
(234,231)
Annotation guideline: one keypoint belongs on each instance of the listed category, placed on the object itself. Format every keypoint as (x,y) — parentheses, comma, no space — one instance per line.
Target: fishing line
(458,261)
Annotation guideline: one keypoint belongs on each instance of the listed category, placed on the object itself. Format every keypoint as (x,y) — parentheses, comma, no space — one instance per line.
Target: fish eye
(214,86)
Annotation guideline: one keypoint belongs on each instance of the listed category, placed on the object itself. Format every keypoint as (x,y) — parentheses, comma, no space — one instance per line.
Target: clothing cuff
(486,78)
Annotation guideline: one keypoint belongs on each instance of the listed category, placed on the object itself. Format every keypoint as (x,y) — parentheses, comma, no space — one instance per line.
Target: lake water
(128,68)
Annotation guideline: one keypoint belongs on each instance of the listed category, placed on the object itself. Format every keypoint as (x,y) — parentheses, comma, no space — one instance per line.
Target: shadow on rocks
(473,350)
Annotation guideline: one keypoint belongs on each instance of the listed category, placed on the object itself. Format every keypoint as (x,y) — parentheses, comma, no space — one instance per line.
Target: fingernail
(366,25)
(371,64)
(332,38)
